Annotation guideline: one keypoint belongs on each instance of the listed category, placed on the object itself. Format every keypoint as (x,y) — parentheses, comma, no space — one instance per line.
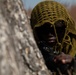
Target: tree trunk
(19,54)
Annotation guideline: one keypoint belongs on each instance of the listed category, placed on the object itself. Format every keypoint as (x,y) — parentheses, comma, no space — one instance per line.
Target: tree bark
(19,54)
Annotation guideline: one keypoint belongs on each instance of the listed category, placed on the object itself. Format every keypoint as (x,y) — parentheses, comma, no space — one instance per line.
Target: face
(47,33)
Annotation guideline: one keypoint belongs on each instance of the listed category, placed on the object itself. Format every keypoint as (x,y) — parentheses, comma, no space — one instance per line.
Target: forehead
(47,25)
(59,23)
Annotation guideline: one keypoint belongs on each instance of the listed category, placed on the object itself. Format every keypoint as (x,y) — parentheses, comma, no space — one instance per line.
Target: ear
(31,23)
(35,36)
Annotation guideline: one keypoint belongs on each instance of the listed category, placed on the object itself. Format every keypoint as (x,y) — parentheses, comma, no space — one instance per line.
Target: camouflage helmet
(51,11)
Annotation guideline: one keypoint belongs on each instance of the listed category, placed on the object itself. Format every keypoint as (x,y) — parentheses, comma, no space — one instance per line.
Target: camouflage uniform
(50,11)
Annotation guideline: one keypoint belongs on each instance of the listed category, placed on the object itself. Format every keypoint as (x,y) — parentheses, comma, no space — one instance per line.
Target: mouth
(52,40)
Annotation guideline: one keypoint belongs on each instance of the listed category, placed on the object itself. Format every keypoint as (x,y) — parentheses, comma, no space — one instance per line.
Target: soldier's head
(51,22)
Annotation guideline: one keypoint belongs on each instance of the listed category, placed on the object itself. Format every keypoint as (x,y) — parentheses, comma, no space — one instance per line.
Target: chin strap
(58,46)
(66,39)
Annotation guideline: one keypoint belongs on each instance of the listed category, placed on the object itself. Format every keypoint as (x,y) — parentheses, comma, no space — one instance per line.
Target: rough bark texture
(19,54)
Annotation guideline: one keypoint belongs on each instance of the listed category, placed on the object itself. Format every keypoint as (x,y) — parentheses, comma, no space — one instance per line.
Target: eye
(44,29)
(60,23)
(60,26)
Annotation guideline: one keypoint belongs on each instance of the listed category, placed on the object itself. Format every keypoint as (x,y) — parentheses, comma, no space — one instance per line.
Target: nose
(51,35)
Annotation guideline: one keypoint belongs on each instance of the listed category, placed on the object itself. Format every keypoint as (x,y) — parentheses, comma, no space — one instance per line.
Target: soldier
(55,34)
